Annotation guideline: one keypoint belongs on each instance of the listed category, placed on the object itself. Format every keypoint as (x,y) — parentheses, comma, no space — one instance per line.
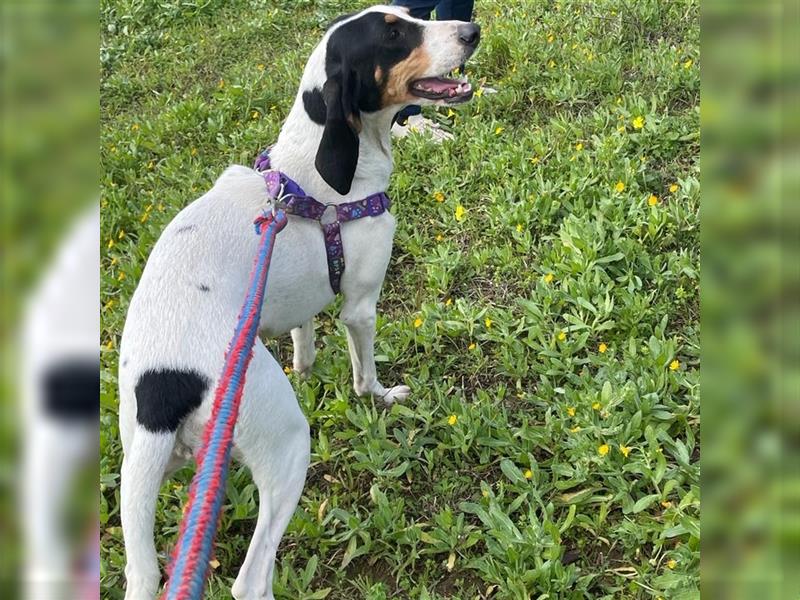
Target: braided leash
(190,559)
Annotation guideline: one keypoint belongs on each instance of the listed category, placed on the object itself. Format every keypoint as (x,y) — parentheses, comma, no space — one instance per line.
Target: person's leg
(455,10)
(419,9)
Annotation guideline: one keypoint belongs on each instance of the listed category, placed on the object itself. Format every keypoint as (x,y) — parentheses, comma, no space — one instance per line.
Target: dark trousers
(446,10)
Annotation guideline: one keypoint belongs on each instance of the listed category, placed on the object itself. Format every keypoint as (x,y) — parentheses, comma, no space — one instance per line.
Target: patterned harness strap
(330,216)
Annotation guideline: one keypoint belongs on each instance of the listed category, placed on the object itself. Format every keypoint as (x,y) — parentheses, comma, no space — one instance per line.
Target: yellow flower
(150,165)
(602,450)
(550,38)
(488,322)
(121,234)
(528,474)
(619,187)
(485,493)
(452,420)
(579,146)
(571,411)
(562,336)
(602,348)
(417,323)
(666,504)
(625,450)
(479,92)
(548,278)
(450,113)
(254,115)
(672,563)
(439,237)
(471,346)
(519,227)
(110,243)
(460,211)
(499,130)
(260,67)
(638,122)
(652,200)
(551,64)
(688,64)
(287,369)
(221,84)
(438,196)
(575,429)
(675,365)
(448,302)
(144,217)
(621,128)
(596,406)
(121,277)
(194,152)
(673,188)
(135,127)
(534,159)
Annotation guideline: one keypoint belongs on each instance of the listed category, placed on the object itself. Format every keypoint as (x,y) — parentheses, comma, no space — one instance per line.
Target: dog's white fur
(173,324)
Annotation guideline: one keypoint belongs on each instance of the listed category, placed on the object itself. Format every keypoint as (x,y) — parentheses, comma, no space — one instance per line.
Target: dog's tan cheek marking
(378,74)
(390,18)
(402,74)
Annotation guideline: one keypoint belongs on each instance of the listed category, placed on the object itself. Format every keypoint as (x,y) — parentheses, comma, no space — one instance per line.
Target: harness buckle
(279,200)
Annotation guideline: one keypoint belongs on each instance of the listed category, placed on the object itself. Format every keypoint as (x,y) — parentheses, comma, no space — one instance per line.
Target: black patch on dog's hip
(71,390)
(164,397)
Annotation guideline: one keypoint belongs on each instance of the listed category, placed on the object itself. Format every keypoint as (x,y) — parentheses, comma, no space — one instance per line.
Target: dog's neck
(299,139)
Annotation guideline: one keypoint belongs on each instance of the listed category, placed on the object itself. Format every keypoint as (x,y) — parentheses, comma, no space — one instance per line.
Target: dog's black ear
(337,155)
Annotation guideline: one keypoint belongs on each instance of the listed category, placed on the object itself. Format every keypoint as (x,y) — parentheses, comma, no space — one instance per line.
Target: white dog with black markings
(336,145)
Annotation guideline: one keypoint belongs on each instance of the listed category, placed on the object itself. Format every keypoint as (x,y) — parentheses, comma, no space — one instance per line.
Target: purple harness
(329,216)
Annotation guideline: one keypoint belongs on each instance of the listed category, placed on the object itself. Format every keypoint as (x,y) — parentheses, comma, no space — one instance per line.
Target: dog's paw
(394,394)
(303,371)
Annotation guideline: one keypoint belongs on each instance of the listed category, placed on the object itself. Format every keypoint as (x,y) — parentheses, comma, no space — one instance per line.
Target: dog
(336,145)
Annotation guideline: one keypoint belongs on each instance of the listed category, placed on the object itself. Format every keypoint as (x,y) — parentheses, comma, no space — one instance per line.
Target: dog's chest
(299,286)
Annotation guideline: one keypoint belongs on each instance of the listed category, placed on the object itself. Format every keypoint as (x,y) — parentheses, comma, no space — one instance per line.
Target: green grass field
(542,302)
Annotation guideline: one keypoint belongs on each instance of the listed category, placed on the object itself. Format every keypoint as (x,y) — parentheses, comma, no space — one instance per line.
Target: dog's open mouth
(451,91)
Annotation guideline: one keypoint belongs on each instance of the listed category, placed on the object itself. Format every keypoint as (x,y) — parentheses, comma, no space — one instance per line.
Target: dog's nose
(469,34)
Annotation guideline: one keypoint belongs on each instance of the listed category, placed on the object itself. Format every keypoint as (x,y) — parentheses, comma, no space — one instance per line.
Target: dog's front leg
(359,318)
(304,351)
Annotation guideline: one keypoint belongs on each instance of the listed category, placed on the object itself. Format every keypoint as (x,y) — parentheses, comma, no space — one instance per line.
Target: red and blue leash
(190,559)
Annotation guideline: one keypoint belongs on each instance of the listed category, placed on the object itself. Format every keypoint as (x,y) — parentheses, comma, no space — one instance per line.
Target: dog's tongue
(439,85)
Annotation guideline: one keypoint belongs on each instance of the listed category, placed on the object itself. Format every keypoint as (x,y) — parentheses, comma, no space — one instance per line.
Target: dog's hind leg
(304,351)
(272,438)
(143,468)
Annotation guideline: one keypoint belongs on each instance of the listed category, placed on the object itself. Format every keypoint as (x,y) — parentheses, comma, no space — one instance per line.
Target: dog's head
(380,59)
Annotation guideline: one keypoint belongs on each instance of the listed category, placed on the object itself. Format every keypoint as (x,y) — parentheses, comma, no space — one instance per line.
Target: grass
(548,327)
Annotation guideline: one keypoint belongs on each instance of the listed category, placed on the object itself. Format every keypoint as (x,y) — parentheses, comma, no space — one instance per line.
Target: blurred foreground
(49,535)
(750,384)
